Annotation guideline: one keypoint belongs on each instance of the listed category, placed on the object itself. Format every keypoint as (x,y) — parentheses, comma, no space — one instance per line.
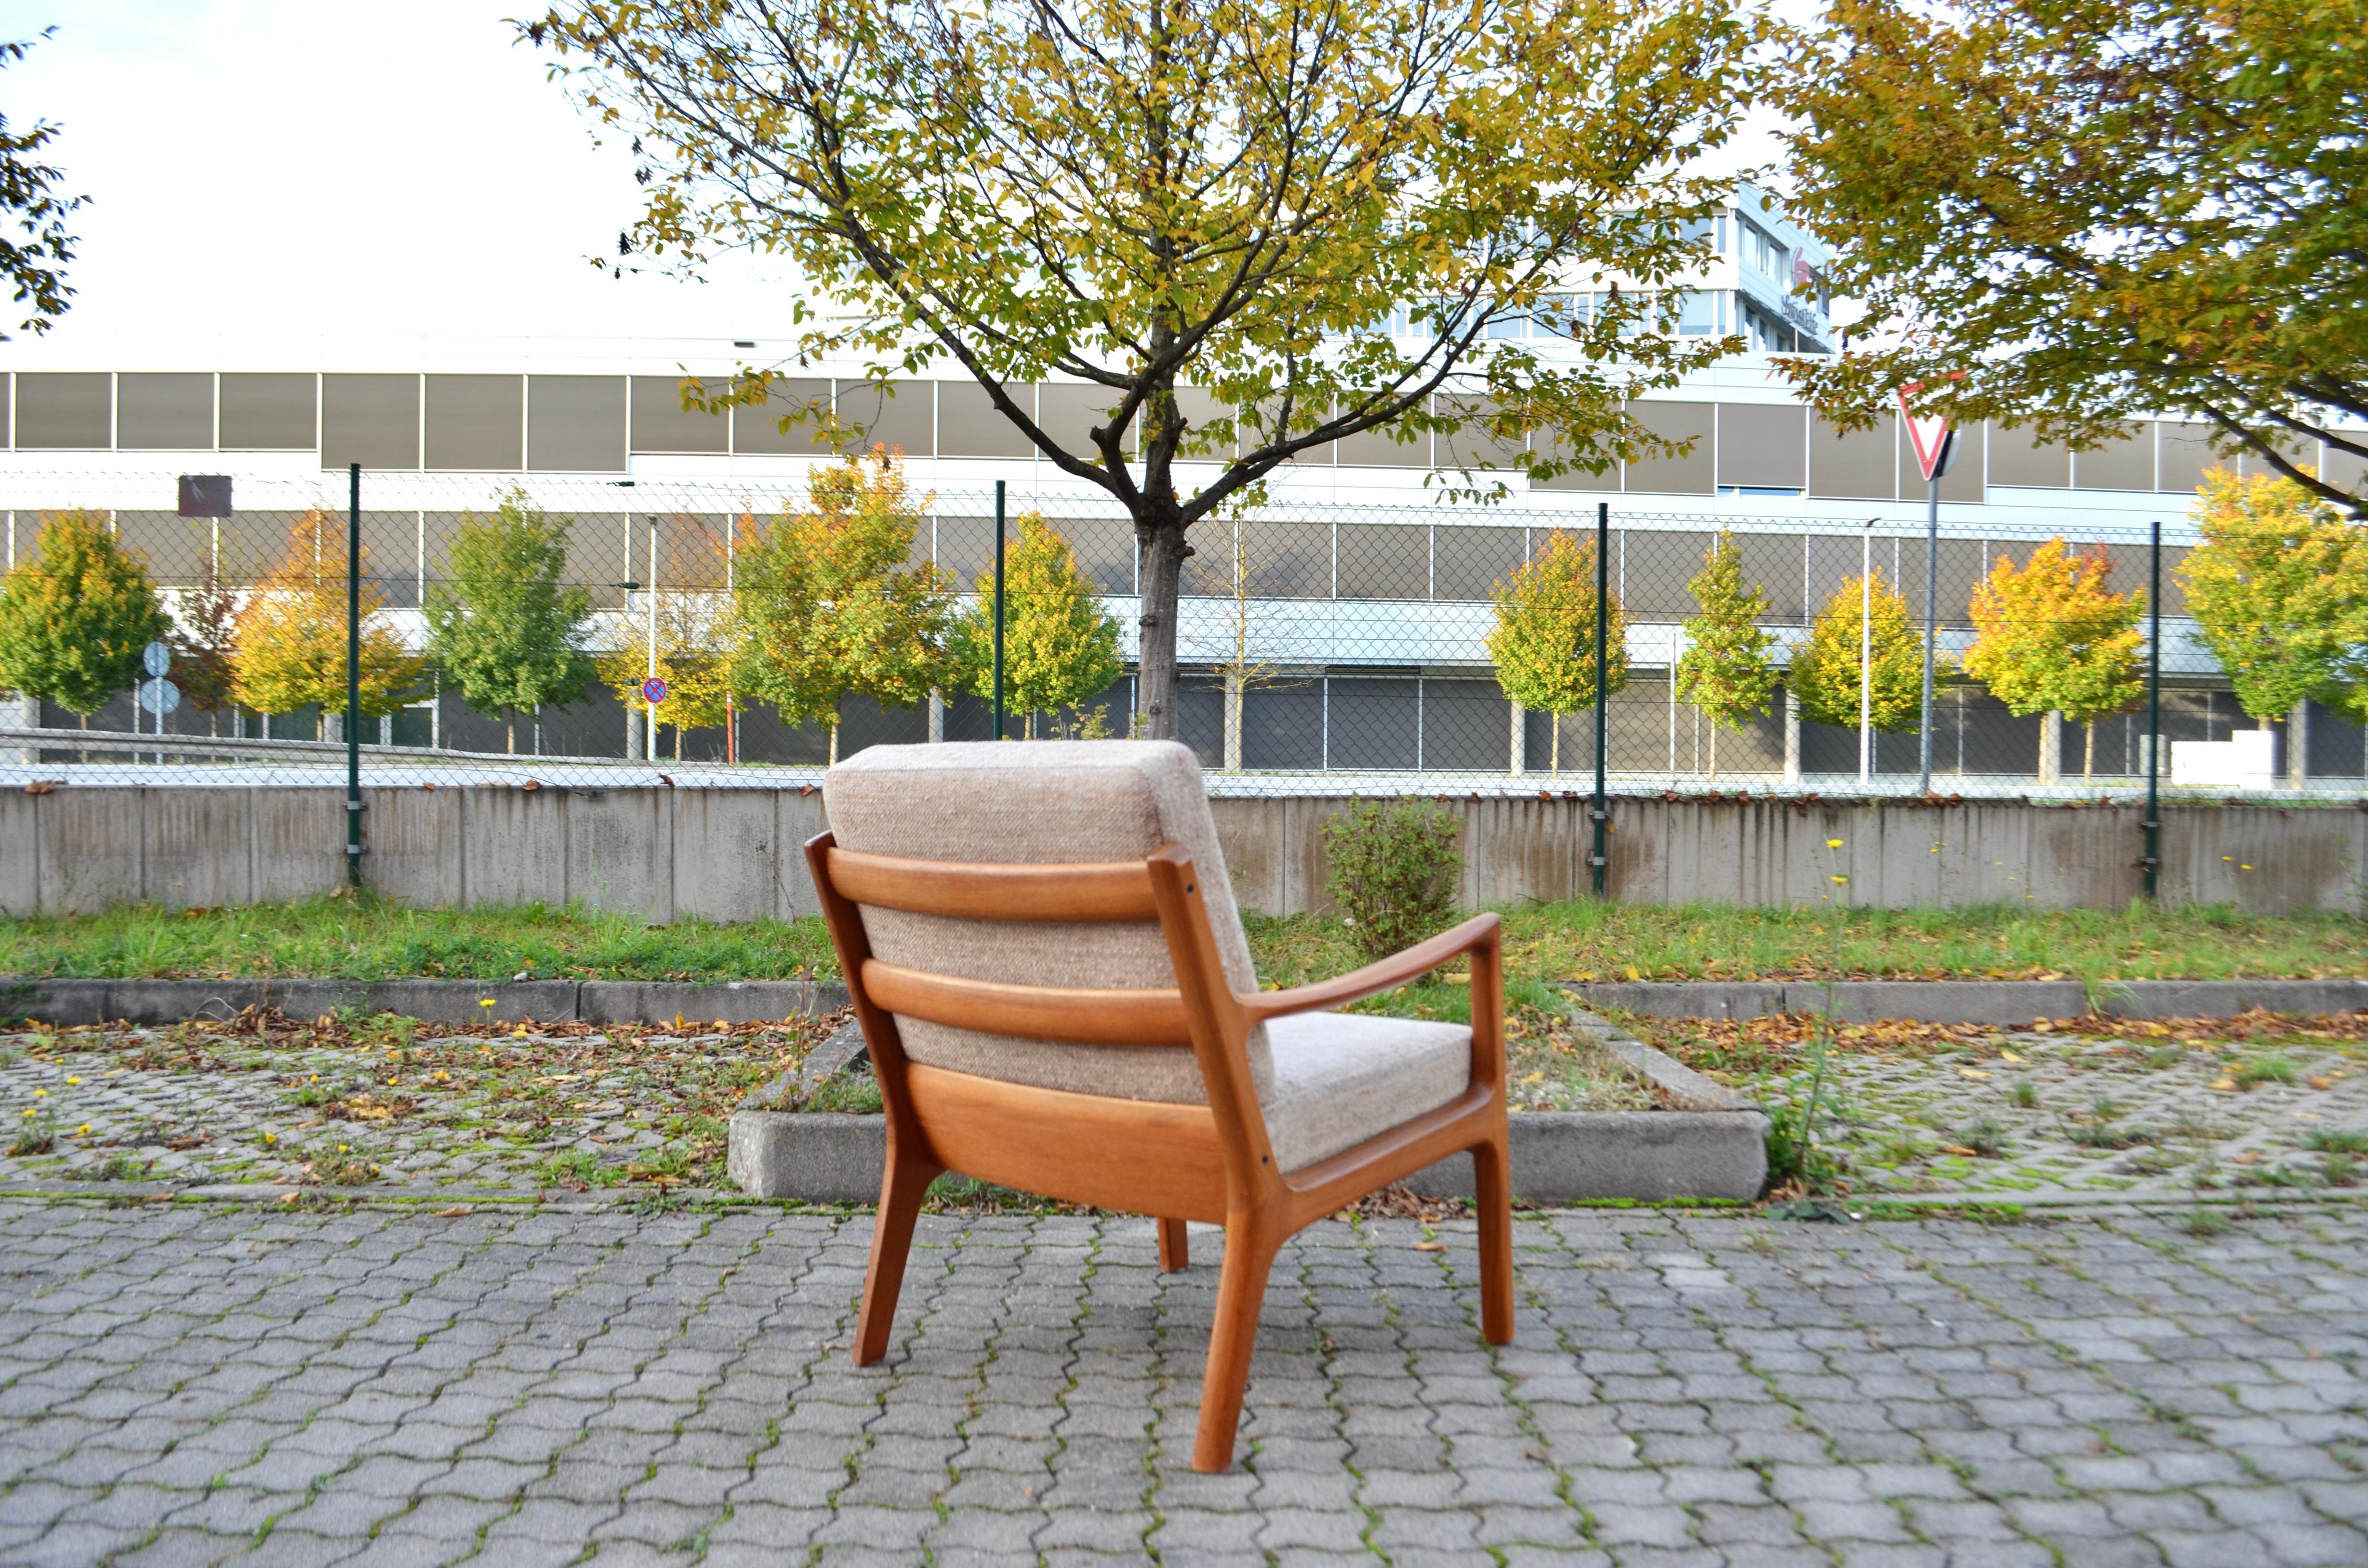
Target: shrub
(1394,870)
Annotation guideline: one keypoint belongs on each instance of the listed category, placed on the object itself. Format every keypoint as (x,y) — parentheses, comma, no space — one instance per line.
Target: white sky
(291,184)
(349,185)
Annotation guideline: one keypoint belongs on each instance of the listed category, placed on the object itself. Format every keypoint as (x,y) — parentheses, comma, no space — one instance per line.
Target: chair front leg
(902,1186)
(1241,1292)
(1492,1187)
(1174,1252)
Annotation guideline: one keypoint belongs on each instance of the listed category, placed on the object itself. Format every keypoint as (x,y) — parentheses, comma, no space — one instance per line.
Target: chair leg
(1173,1252)
(901,1188)
(1492,1185)
(1241,1290)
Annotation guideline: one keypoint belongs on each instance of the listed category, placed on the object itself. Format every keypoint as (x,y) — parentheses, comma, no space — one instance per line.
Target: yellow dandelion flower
(78,1080)
(1833,844)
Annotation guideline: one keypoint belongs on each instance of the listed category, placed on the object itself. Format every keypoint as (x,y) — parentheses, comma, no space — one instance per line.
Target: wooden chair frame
(1211,1162)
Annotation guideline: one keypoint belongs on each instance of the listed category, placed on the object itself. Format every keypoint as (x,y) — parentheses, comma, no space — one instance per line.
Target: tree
(30,189)
(291,632)
(205,646)
(1060,646)
(1725,670)
(2278,590)
(1825,674)
(2096,209)
(74,618)
(1544,642)
(2049,637)
(698,632)
(828,609)
(1179,200)
(501,624)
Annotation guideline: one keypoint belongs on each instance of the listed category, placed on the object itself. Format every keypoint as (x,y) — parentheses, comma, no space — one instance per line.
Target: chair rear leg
(1174,1253)
(1241,1290)
(1492,1185)
(901,1188)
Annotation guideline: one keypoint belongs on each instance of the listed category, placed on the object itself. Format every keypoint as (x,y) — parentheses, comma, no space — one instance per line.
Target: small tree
(1544,642)
(2278,590)
(2051,638)
(205,646)
(291,632)
(1825,671)
(697,633)
(1726,670)
(502,625)
(828,609)
(1060,646)
(74,618)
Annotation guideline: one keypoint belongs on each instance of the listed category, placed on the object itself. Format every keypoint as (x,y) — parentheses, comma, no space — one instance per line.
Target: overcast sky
(343,184)
(290,183)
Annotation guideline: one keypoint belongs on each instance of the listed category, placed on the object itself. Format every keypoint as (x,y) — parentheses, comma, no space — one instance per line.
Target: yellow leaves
(292,632)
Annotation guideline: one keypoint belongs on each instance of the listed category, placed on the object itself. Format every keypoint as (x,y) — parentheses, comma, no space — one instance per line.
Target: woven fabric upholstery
(1042,802)
(1339,1078)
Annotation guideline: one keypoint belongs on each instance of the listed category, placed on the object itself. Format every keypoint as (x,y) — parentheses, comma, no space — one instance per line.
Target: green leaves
(1826,671)
(74,617)
(2097,209)
(1060,646)
(2279,591)
(2051,638)
(1726,670)
(1543,644)
(501,624)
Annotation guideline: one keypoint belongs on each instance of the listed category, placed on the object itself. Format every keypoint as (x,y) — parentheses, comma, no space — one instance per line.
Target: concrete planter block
(735,1002)
(56,1001)
(461,1002)
(2227,998)
(815,1156)
(1569,1156)
(1686,998)
(1944,1001)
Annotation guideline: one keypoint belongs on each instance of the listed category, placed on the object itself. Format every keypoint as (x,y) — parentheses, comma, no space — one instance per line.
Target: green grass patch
(367,938)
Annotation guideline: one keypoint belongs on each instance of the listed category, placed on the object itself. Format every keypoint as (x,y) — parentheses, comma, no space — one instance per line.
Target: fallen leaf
(1969,1072)
(2225,1086)
(1959,1149)
(290,1197)
(1430,1247)
(458,1212)
(2250,1157)
(2011,1056)
(2321,1084)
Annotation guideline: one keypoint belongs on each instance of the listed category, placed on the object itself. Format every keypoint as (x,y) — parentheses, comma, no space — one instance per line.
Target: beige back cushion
(1042,802)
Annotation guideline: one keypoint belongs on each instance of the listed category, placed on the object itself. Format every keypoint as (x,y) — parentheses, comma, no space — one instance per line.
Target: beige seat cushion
(1042,802)
(1339,1078)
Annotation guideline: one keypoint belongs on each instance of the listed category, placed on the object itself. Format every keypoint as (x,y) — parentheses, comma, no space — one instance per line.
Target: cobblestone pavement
(192,1383)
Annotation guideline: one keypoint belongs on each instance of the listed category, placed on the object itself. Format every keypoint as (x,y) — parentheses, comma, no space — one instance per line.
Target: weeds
(2270,1067)
(2336,1142)
(1984,1137)
(2202,1223)
(2025,1093)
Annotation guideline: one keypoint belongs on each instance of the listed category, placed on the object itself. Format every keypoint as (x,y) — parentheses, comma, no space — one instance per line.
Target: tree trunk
(2089,754)
(834,739)
(1161,532)
(509,730)
(1554,747)
(1714,753)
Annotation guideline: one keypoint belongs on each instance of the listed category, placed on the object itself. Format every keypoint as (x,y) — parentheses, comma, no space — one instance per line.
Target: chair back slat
(1030,1012)
(1102,892)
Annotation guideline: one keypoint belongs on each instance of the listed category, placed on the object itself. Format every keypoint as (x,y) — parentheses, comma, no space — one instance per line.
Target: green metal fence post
(998,610)
(354,675)
(1600,861)
(2153,861)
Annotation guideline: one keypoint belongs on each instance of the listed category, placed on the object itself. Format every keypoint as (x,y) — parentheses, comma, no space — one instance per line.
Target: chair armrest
(1481,930)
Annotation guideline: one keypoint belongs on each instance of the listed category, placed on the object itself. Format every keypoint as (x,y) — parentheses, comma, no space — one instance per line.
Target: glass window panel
(2126,463)
(1763,445)
(899,416)
(2017,458)
(1069,413)
(1470,561)
(1773,562)
(1690,473)
(271,413)
(475,423)
(1554,444)
(1282,724)
(661,424)
(1385,561)
(165,412)
(753,429)
(969,425)
(1467,726)
(1476,447)
(1288,560)
(57,412)
(1652,569)
(175,548)
(1862,465)
(1105,551)
(370,420)
(1375,723)
(576,424)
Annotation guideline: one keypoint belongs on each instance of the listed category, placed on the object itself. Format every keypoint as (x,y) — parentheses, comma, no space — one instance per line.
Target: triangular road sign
(1928,433)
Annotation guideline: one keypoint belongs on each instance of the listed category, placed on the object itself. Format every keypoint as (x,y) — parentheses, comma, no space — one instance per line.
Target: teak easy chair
(1044,954)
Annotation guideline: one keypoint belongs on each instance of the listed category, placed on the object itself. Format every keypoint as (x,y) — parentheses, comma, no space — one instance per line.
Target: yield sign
(1928,434)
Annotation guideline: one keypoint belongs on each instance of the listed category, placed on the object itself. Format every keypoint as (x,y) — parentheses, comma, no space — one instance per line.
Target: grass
(364,938)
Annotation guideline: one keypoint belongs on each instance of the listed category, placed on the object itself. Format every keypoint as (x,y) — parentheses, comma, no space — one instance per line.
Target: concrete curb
(1712,1145)
(435,1001)
(1973,1001)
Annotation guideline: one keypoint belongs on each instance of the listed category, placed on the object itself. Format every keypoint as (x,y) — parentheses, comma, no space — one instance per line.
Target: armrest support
(1481,930)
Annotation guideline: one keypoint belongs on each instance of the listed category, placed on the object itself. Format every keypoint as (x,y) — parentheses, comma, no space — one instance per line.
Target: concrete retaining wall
(733,854)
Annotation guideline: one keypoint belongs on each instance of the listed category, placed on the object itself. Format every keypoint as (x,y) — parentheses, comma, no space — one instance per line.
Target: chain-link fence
(1329,646)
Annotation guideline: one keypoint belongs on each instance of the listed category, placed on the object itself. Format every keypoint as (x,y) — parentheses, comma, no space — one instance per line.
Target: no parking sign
(653,691)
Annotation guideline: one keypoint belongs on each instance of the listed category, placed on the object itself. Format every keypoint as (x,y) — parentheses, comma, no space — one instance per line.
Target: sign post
(1935,442)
